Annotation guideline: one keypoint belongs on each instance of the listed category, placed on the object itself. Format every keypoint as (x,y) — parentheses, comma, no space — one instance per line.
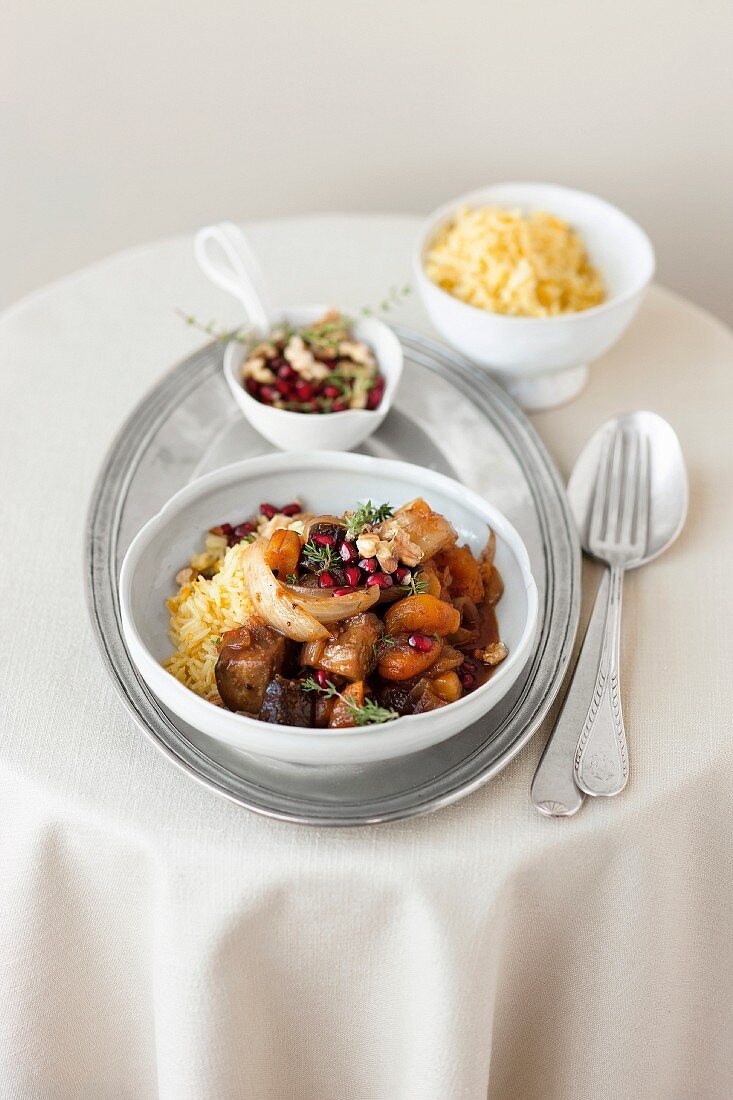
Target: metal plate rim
(145,412)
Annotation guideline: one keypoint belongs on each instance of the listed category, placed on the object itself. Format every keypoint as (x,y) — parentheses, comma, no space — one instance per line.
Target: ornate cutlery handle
(601,758)
(554,790)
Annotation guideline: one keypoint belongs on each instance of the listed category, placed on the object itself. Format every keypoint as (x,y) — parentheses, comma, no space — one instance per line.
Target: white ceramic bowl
(542,361)
(293,431)
(328,482)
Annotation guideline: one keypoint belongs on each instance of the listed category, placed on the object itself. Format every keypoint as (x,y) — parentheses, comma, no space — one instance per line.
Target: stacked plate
(461,424)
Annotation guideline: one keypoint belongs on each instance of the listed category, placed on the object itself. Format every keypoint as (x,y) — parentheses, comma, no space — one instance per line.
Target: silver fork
(617,535)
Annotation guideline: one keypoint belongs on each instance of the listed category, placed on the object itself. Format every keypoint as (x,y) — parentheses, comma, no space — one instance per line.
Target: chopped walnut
(407,551)
(184,576)
(256,368)
(492,654)
(357,352)
(386,556)
(367,545)
(303,361)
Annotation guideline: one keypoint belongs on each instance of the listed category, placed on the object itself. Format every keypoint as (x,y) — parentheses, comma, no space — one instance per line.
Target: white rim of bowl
(313,459)
(391,380)
(448,209)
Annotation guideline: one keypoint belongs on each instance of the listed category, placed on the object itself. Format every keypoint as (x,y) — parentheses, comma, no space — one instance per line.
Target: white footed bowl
(543,361)
(341,431)
(325,482)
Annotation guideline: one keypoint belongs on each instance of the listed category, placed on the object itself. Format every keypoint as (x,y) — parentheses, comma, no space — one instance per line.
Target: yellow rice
(201,611)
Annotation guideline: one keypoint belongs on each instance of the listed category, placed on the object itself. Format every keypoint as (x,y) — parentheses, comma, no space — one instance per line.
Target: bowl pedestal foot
(545,391)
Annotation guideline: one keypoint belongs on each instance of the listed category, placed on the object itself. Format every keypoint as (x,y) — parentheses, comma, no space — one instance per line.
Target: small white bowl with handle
(224,255)
(543,361)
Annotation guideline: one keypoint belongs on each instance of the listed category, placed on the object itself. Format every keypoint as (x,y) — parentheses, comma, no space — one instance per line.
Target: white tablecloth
(157,941)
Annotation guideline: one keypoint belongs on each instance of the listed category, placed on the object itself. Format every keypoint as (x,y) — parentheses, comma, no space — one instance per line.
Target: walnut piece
(492,654)
(367,545)
(357,352)
(256,368)
(303,361)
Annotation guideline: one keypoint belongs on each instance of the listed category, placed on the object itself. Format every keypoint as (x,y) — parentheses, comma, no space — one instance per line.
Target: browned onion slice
(274,603)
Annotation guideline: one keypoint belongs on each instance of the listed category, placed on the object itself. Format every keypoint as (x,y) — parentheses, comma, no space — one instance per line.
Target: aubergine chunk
(249,657)
(286,703)
(351,652)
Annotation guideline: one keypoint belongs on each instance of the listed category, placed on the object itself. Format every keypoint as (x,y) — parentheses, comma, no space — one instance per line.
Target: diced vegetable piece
(494,589)
(282,553)
(447,686)
(449,659)
(401,661)
(425,614)
(425,528)
(342,714)
(350,652)
(465,572)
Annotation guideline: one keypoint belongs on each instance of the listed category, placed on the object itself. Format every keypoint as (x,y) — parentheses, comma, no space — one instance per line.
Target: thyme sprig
(319,557)
(242,334)
(394,299)
(366,514)
(320,336)
(364,714)
(417,584)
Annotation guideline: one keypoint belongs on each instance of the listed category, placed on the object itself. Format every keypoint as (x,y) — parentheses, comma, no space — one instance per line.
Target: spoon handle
(601,758)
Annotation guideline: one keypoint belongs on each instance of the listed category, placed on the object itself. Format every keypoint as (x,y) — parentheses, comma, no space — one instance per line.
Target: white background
(127,120)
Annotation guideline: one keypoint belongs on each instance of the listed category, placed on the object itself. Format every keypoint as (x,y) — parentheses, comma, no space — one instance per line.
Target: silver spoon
(628,493)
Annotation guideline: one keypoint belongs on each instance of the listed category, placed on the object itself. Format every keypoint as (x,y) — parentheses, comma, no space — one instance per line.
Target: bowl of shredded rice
(532,281)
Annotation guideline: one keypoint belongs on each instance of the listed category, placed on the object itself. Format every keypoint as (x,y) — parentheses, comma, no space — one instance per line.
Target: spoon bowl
(668,487)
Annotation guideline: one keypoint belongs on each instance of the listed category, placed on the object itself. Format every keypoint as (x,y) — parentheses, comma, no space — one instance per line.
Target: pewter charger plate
(448,416)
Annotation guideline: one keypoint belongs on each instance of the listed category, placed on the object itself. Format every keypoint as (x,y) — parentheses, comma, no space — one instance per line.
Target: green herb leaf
(417,584)
(365,714)
(366,514)
(319,557)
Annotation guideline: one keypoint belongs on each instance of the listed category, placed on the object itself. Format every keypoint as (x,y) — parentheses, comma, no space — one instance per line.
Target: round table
(157,941)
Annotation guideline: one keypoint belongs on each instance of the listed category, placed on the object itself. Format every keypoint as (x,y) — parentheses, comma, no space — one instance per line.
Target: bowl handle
(224,255)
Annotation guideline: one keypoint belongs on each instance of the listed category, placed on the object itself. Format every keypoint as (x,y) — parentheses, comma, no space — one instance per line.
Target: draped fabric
(157,941)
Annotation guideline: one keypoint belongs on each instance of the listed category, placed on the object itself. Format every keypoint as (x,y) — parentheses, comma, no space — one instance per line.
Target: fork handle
(601,758)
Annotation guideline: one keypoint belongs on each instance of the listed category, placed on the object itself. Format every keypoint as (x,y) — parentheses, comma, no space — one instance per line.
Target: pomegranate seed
(286,372)
(268,510)
(352,574)
(304,390)
(244,529)
(223,529)
(382,580)
(468,680)
(282,387)
(339,407)
(402,575)
(348,552)
(369,565)
(343,591)
(268,394)
(374,399)
(252,387)
(321,678)
(324,540)
(331,391)
(421,642)
(291,509)
(326,580)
